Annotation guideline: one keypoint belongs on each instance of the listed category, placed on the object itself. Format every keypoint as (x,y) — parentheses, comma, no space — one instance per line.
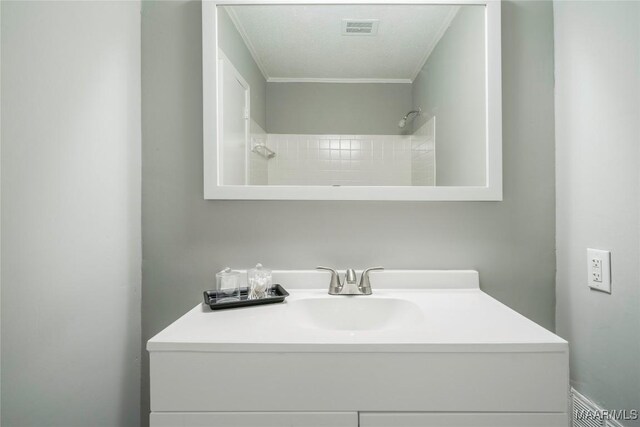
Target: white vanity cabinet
(254,419)
(352,419)
(480,419)
(437,352)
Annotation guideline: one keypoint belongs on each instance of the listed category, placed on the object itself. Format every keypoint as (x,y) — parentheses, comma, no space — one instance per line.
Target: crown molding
(333,80)
(443,29)
(243,33)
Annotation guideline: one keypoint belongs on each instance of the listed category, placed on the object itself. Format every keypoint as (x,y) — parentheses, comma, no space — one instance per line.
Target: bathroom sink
(356,313)
(425,342)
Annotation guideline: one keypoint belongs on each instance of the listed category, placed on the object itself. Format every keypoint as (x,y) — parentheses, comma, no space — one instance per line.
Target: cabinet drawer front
(254,419)
(463,420)
(383,382)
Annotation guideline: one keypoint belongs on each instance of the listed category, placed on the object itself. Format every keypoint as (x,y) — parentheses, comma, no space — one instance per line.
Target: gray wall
(233,45)
(597,47)
(187,239)
(0,215)
(451,86)
(71,253)
(337,108)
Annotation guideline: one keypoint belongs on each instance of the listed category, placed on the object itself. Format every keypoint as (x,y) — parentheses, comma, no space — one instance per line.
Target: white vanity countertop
(453,319)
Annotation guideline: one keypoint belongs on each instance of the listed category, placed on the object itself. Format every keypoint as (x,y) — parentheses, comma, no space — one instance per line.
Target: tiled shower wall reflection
(345,159)
(340,160)
(258,172)
(423,154)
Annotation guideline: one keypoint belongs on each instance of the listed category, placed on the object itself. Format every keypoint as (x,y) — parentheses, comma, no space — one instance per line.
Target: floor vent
(584,413)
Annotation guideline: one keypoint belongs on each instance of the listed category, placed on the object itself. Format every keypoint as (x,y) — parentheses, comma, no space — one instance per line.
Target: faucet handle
(365,284)
(334,285)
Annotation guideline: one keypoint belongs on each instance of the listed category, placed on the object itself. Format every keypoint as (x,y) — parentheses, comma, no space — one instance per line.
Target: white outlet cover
(604,257)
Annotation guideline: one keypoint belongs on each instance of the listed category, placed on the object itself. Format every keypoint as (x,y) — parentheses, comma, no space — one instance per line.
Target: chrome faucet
(350,287)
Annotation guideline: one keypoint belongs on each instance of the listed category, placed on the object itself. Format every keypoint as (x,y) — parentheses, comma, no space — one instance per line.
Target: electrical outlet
(599,270)
(596,269)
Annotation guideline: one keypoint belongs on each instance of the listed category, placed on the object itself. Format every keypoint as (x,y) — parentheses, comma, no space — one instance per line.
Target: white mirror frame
(213,190)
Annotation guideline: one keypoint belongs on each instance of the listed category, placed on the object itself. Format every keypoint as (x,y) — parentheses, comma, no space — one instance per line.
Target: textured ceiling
(306,41)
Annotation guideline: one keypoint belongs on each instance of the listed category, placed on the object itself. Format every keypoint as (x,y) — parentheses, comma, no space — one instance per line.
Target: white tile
(342,159)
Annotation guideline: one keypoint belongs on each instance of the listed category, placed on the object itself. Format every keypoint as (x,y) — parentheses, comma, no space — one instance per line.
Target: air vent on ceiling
(360,27)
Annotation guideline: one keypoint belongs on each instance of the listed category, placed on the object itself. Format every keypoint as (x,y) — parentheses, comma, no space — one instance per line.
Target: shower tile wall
(340,160)
(258,166)
(423,154)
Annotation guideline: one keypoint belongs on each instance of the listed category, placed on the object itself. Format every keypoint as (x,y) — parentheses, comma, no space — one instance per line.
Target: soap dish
(277,294)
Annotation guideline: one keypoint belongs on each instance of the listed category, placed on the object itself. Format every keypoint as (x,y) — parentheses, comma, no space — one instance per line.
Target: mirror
(377,96)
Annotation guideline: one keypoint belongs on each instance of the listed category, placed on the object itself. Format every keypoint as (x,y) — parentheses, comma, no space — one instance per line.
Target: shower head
(409,116)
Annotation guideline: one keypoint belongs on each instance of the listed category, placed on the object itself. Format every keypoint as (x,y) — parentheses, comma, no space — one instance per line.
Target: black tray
(277,294)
